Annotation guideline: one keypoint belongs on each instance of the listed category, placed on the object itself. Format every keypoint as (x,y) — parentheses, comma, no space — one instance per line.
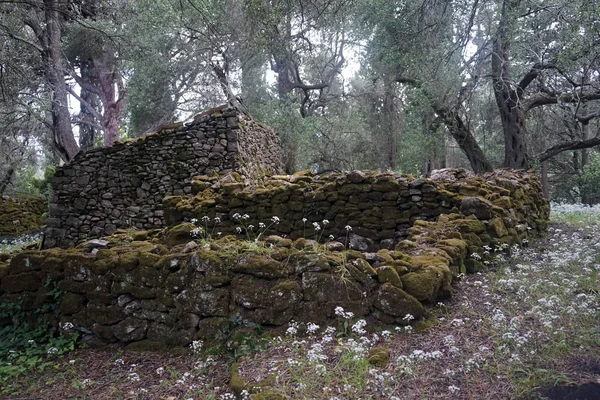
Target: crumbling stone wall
(123,186)
(165,287)
(20,215)
(380,207)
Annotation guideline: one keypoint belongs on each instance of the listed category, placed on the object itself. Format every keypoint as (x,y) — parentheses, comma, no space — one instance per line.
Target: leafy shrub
(25,347)
(589,180)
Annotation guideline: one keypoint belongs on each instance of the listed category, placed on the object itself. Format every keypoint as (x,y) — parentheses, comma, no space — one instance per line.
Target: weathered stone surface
(94,244)
(213,303)
(477,206)
(72,303)
(396,302)
(25,282)
(21,215)
(103,190)
(105,315)
(260,266)
(130,330)
(325,288)
(139,290)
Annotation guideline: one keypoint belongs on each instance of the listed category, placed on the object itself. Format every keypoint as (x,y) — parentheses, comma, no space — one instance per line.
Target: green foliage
(242,337)
(31,347)
(28,181)
(589,180)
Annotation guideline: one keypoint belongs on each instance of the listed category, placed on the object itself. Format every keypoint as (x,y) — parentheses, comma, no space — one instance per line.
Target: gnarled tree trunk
(55,74)
(507,94)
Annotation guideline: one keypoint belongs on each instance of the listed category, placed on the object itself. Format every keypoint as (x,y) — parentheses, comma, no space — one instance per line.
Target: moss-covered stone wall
(379,207)
(169,286)
(20,215)
(123,186)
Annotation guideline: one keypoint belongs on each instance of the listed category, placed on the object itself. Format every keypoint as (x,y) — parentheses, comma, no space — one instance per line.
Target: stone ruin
(174,285)
(123,186)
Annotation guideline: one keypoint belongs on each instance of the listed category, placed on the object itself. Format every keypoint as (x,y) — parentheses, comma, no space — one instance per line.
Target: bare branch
(87,105)
(542,99)
(532,75)
(585,119)
(574,145)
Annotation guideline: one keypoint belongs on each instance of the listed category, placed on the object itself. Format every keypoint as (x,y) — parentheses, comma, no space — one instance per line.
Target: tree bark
(587,134)
(391,129)
(6,180)
(544,180)
(507,94)
(112,95)
(465,139)
(61,118)
(88,134)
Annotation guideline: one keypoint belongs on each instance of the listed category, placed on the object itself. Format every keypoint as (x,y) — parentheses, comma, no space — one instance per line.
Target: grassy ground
(528,324)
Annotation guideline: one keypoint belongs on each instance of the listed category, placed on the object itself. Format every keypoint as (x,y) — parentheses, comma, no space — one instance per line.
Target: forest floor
(526,329)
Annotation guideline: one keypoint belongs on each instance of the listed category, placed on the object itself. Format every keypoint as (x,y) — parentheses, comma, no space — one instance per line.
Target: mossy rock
(260,266)
(212,328)
(496,228)
(473,266)
(364,267)
(179,234)
(140,235)
(469,225)
(388,274)
(309,262)
(456,249)
(238,383)
(397,303)
(22,214)
(423,285)
(425,324)
(472,239)
(385,253)
(406,246)
(431,257)
(503,202)
(354,255)
(379,357)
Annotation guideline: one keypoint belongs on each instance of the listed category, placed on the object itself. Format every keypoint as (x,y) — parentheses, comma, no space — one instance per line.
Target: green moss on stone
(388,274)
(379,357)
(179,234)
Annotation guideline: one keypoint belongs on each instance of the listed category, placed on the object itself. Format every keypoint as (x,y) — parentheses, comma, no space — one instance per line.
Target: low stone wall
(21,215)
(165,287)
(380,207)
(123,186)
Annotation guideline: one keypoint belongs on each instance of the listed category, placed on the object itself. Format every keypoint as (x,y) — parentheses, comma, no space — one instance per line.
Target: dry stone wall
(167,287)
(379,207)
(20,215)
(123,186)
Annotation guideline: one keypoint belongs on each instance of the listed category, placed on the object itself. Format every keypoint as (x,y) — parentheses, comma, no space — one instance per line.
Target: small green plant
(26,347)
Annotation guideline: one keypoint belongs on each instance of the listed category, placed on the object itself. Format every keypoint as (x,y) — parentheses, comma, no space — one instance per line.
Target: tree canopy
(410,85)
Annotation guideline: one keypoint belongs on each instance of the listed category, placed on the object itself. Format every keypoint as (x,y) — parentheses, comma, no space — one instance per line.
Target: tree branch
(87,105)
(542,99)
(84,84)
(532,74)
(574,145)
(584,119)
(24,40)
(409,81)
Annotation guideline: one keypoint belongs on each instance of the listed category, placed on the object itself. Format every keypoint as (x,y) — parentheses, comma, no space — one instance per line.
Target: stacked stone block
(123,186)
